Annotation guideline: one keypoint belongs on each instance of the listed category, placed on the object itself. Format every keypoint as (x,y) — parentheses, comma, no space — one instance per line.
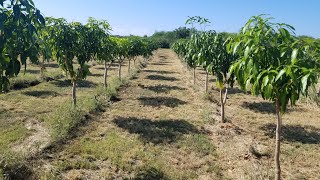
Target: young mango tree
(191,56)
(180,47)
(70,41)
(134,50)
(121,52)
(45,48)
(147,48)
(103,46)
(205,55)
(219,66)
(20,21)
(108,54)
(274,65)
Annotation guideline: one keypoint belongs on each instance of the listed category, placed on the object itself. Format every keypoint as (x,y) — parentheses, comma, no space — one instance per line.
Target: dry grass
(253,127)
(37,111)
(153,131)
(159,126)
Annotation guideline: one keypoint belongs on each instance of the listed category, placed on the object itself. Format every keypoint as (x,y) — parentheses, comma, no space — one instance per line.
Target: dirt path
(155,130)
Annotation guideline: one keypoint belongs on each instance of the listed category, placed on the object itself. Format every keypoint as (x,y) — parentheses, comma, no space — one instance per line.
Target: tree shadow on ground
(161,78)
(32,71)
(81,83)
(96,75)
(41,94)
(163,88)
(24,84)
(157,132)
(294,133)
(231,91)
(159,72)
(51,65)
(163,57)
(109,68)
(161,101)
(150,174)
(260,107)
(161,64)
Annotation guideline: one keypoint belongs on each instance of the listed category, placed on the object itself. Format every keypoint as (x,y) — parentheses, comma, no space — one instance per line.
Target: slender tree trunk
(129,65)
(223,101)
(194,76)
(120,71)
(222,106)
(105,75)
(43,67)
(207,77)
(74,97)
(277,149)
(134,61)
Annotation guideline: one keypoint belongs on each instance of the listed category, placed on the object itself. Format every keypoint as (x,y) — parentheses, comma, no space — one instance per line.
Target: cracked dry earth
(154,130)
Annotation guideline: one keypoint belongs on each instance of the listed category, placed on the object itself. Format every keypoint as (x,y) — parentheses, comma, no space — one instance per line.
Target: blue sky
(140,17)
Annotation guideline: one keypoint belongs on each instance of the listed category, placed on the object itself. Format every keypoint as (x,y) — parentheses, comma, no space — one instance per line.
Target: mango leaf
(294,55)
(280,74)
(304,81)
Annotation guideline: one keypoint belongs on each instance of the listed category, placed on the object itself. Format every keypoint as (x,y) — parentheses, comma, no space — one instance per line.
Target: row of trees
(264,57)
(26,34)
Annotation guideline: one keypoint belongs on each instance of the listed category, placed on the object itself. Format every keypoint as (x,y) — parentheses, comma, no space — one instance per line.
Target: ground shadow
(160,64)
(61,83)
(294,133)
(96,75)
(51,65)
(235,90)
(161,78)
(81,83)
(22,84)
(32,71)
(231,91)
(159,72)
(260,107)
(157,132)
(41,94)
(109,68)
(163,88)
(161,101)
(150,174)
(163,57)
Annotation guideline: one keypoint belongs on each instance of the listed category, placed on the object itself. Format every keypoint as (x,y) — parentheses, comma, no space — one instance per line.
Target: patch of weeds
(119,150)
(11,134)
(150,174)
(206,115)
(112,89)
(63,119)
(198,143)
(66,165)
(29,79)
(14,166)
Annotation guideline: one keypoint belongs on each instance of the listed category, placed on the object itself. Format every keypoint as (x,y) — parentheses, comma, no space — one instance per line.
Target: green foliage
(273,61)
(19,23)
(166,39)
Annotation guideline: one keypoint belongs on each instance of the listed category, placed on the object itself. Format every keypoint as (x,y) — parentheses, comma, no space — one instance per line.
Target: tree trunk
(105,75)
(194,76)
(120,71)
(134,61)
(74,97)
(129,65)
(277,149)
(43,67)
(222,107)
(223,101)
(207,77)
